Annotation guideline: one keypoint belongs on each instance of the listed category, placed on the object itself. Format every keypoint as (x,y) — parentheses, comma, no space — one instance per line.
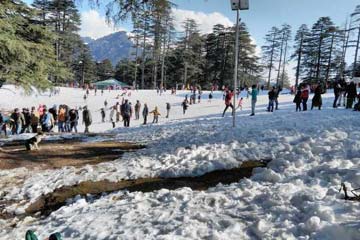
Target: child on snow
(156,115)
(240,103)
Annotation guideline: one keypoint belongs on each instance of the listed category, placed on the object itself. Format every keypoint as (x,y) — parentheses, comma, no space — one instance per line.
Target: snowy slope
(295,198)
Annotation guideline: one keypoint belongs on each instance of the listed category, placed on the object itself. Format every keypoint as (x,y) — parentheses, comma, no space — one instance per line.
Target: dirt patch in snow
(59,153)
(53,201)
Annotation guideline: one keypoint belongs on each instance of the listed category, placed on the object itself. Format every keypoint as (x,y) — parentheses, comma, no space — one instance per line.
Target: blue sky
(264,14)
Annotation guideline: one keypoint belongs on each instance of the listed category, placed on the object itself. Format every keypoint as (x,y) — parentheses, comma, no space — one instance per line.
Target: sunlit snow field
(296,197)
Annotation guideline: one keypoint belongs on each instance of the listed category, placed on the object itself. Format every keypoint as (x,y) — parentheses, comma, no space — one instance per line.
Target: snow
(296,197)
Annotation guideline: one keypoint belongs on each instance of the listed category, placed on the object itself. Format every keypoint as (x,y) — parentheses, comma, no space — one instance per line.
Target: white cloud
(206,21)
(95,26)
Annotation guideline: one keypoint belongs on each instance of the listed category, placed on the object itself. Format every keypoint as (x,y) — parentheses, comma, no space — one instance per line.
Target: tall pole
(236,62)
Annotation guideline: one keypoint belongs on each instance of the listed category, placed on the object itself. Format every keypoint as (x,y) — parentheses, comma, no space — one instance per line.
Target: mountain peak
(115,47)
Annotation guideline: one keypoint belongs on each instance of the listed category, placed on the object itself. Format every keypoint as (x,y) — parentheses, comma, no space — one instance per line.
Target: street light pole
(236,63)
(237,5)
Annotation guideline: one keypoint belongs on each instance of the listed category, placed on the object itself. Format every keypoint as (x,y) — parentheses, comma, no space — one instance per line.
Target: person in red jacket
(229,95)
(305,91)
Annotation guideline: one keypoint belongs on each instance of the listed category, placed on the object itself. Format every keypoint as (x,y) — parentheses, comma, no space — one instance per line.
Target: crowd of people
(66,119)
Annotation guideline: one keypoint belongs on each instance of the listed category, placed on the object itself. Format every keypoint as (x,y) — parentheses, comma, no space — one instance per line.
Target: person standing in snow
(61,119)
(351,94)
(74,119)
(317,101)
(337,92)
(184,105)
(272,94)
(35,119)
(15,119)
(297,100)
(305,91)
(87,120)
(228,103)
(112,114)
(105,103)
(145,113)
(156,114)
(254,94)
(168,107)
(47,122)
(2,125)
(126,113)
(210,97)
(137,110)
(27,120)
(118,111)
(103,114)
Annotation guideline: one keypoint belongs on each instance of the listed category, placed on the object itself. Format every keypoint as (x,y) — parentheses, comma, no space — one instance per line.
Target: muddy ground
(60,153)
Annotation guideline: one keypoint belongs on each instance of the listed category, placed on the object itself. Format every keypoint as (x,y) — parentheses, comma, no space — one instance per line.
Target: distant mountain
(114,47)
(87,40)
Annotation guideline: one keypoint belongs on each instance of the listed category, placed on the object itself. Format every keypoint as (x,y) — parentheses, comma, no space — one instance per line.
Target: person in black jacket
(351,93)
(145,113)
(297,100)
(126,113)
(87,120)
(272,95)
(317,100)
(74,119)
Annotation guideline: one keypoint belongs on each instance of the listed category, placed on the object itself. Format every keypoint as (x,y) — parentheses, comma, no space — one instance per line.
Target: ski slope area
(296,197)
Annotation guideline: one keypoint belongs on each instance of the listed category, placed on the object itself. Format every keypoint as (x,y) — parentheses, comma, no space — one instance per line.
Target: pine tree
(104,70)
(300,40)
(355,27)
(84,67)
(271,50)
(321,47)
(26,53)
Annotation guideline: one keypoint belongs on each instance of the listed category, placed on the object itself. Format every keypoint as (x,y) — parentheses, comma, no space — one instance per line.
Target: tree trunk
(271,60)
(299,61)
(356,54)
(330,55)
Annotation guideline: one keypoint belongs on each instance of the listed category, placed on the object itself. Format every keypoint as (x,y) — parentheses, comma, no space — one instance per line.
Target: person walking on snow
(254,93)
(156,114)
(240,104)
(228,97)
(87,120)
(145,113)
(168,106)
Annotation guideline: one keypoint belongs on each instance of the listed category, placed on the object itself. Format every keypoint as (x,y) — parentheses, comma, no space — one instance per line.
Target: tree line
(40,46)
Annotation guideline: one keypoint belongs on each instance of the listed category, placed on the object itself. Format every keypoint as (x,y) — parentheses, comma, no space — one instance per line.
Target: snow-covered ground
(296,197)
